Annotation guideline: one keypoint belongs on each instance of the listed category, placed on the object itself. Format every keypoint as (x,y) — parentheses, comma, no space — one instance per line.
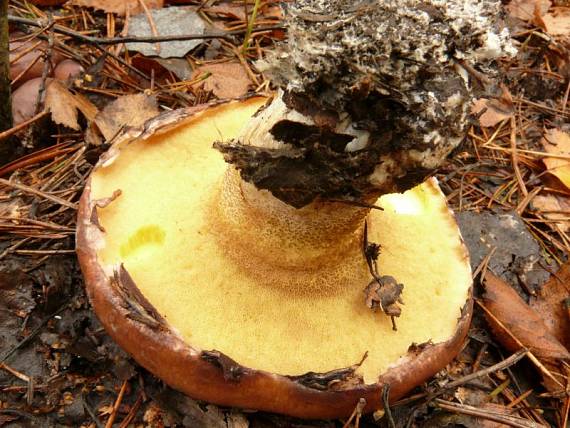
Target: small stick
(151,24)
(566,410)
(515,158)
(520,398)
(113,414)
(513,359)
(32,334)
(356,413)
(20,126)
(14,372)
(386,403)
(512,421)
(87,407)
(125,423)
(31,190)
(133,39)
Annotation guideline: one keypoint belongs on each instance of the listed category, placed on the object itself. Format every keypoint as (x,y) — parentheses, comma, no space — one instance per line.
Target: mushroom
(297,280)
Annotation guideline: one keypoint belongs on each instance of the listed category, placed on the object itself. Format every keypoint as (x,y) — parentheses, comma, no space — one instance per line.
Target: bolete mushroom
(273,283)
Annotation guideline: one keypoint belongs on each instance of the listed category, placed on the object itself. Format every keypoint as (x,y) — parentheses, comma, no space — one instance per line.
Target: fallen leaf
(226,80)
(557,142)
(129,110)
(496,111)
(555,208)
(557,21)
(119,7)
(551,305)
(525,9)
(230,10)
(64,105)
(521,321)
(171,21)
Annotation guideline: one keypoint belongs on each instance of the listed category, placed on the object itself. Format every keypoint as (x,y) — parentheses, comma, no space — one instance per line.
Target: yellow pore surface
(162,229)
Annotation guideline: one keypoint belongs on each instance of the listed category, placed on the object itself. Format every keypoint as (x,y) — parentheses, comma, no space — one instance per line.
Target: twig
(133,412)
(118,401)
(386,404)
(14,372)
(87,407)
(31,190)
(515,158)
(356,413)
(33,333)
(20,126)
(513,359)
(136,39)
(513,421)
(37,156)
(151,24)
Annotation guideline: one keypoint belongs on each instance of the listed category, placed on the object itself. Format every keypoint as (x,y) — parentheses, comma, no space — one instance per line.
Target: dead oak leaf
(495,111)
(126,111)
(557,142)
(521,320)
(555,208)
(557,21)
(225,80)
(551,304)
(64,105)
(526,10)
(514,323)
(120,7)
(229,10)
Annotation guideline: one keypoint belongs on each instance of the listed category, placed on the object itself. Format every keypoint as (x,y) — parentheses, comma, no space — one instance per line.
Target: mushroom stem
(322,236)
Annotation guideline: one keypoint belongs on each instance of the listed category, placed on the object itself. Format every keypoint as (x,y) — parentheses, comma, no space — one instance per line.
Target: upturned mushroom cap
(234,297)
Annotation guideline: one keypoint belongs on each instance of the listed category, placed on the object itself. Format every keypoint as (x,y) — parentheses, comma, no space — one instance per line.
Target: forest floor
(508,183)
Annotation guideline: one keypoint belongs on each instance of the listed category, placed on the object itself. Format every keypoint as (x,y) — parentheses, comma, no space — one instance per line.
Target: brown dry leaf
(230,10)
(64,105)
(557,21)
(525,9)
(496,111)
(226,80)
(557,142)
(521,320)
(551,305)
(555,208)
(119,7)
(129,110)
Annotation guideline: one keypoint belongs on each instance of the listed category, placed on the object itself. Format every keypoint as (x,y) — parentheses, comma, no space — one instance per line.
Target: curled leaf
(557,142)
(521,321)
(551,304)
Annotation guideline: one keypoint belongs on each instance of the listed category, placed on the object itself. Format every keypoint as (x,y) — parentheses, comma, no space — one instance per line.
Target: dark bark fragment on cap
(139,308)
(337,379)
(231,370)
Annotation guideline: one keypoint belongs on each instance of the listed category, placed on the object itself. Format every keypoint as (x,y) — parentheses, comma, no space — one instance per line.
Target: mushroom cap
(175,273)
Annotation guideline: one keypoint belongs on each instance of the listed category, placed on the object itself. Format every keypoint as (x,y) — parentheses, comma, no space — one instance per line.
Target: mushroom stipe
(234,297)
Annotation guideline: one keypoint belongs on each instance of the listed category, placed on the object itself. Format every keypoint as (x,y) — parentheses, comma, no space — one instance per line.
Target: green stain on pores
(145,236)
